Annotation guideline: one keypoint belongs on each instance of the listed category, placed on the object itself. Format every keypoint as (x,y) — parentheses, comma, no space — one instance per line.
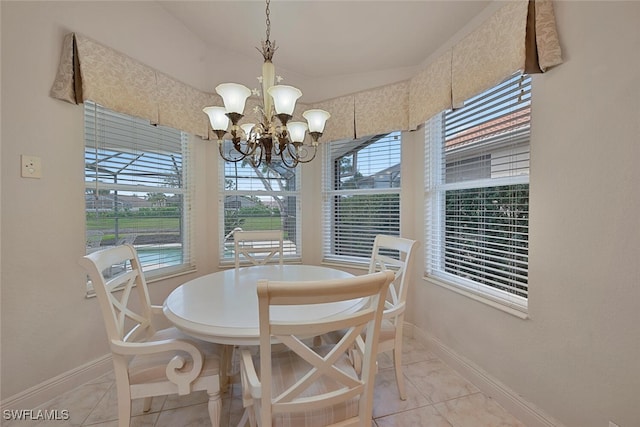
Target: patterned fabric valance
(91,71)
(522,31)
(430,91)
(341,125)
(382,110)
(521,35)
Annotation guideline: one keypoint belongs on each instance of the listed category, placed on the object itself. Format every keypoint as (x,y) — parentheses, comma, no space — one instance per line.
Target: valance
(430,91)
(381,110)
(91,71)
(521,35)
(180,106)
(341,125)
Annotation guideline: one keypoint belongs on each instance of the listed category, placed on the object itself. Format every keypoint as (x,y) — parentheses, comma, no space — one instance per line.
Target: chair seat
(287,368)
(152,368)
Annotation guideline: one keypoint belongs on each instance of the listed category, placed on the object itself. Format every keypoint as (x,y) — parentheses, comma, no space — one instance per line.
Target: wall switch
(31,166)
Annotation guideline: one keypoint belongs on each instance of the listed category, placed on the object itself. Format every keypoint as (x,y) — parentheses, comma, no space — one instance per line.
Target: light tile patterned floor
(436,397)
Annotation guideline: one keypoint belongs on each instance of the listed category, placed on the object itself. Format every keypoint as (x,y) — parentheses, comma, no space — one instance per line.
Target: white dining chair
(259,247)
(395,254)
(147,362)
(314,386)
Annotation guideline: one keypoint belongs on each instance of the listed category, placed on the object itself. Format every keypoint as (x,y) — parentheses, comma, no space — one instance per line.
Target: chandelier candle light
(259,142)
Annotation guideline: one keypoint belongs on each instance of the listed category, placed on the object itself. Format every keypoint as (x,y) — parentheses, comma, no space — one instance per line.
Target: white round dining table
(222,307)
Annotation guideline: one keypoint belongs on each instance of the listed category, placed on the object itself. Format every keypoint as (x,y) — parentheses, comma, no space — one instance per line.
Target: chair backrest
(328,365)
(395,254)
(259,247)
(118,269)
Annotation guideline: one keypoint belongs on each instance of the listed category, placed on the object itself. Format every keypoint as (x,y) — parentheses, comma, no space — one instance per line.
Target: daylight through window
(477,194)
(266,197)
(137,189)
(361,195)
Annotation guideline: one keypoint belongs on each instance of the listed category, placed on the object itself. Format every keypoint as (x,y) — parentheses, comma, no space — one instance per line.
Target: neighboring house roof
(517,120)
(107,202)
(235,202)
(383,177)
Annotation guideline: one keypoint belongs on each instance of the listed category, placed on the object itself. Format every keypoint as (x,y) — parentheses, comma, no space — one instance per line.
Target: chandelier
(261,142)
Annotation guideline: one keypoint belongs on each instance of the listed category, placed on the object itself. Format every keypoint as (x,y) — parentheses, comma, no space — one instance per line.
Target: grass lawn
(262,223)
(133,223)
(151,225)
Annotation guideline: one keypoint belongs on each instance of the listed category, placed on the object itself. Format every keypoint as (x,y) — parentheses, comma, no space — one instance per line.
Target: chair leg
(215,408)
(147,404)
(397,361)
(252,417)
(245,418)
(124,400)
(124,411)
(225,367)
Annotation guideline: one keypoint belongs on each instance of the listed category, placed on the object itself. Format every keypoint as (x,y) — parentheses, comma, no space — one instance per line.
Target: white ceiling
(325,39)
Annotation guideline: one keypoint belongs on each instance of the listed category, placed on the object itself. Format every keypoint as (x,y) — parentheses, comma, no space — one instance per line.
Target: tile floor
(436,397)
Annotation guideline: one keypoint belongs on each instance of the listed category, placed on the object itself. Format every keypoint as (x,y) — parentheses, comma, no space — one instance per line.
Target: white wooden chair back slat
(304,378)
(258,247)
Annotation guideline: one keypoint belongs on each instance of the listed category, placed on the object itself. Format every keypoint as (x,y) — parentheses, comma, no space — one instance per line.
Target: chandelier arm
(256,163)
(283,142)
(301,159)
(251,147)
(291,165)
(229,159)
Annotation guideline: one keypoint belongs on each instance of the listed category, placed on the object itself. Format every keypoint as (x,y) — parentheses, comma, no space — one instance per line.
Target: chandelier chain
(268,20)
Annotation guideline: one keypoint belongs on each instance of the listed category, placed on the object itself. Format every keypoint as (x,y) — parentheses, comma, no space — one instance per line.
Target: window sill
(504,306)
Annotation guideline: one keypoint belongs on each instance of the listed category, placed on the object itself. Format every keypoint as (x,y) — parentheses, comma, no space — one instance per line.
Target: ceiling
(325,39)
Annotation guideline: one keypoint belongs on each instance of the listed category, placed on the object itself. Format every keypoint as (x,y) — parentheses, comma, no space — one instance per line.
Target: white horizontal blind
(477,193)
(137,189)
(259,198)
(361,195)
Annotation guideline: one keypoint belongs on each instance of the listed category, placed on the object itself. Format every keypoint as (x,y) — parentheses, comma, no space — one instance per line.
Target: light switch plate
(31,166)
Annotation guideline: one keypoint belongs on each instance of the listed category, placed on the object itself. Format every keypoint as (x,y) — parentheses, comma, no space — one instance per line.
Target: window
(259,198)
(361,195)
(477,194)
(137,189)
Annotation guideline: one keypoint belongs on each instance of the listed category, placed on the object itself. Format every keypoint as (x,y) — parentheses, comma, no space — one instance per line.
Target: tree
(157,199)
(482,227)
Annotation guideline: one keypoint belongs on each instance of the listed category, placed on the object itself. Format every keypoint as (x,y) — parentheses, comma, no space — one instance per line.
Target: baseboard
(40,394)
(526,412)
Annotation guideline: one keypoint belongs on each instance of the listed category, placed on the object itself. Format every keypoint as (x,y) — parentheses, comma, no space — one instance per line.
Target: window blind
(137,188)
(477,193)
(361,195)
(259,198)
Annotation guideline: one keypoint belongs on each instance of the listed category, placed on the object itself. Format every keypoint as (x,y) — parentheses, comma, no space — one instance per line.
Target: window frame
(436,188)
(332,152)
(225,241)
(95,147)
